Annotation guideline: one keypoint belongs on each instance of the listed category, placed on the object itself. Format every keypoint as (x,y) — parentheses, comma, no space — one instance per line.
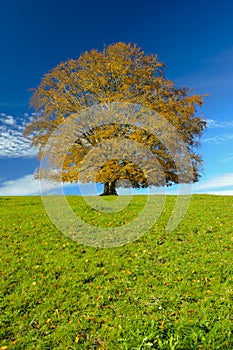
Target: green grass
(164,291)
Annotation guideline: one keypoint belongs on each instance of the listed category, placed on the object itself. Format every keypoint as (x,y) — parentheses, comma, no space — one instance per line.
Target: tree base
(109,189)
(108,194)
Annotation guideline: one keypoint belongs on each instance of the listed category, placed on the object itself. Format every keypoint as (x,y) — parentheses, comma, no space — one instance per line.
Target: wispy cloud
(12,142)
(228,158)
(7,119)
(223,57)
(217,182)
(222,134)
(218,139)
(29,186)
(211,123)
(24,186)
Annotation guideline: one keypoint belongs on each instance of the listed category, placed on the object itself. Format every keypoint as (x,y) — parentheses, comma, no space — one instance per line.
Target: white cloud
(221,193)
(217,182)
(218,139)
(12,142)
(9,120)
(14,145)
(29,186)
(24,186)
(211,123)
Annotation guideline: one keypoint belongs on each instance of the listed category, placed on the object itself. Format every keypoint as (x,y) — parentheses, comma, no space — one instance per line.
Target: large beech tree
(119,73)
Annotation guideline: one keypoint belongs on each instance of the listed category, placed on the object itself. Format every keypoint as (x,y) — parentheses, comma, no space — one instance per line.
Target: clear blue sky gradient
(193,38)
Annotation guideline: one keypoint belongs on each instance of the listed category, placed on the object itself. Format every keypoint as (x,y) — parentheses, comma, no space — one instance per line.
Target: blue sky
(193,38)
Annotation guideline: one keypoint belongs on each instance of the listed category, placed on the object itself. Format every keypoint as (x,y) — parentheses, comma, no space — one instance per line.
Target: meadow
(163,291)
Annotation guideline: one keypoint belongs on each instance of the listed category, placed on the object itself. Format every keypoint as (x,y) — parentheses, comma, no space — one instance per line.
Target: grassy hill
(163,291)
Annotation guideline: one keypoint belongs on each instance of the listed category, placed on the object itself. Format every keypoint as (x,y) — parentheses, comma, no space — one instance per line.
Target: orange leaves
(119,73)
(105,272)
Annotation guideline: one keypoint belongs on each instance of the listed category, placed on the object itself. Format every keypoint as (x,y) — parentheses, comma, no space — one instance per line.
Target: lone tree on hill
(120,73)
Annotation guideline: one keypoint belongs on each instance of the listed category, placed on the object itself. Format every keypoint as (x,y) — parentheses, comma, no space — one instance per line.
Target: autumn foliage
(120,73)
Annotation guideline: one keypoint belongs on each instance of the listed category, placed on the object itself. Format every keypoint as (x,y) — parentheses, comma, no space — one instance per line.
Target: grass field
(163,291)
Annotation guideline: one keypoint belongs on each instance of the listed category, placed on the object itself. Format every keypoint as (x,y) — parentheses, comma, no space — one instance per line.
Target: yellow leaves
(88,318)
(123,73)
(179,278)
(127,272)
(108,75)
(208,291)
(77,338)
(172,314)
(162,324)
(57,314)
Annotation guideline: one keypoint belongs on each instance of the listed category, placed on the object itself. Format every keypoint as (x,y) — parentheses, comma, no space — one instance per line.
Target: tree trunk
(109,189)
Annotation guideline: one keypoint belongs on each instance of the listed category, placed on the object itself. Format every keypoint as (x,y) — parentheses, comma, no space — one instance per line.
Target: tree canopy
(119,75)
